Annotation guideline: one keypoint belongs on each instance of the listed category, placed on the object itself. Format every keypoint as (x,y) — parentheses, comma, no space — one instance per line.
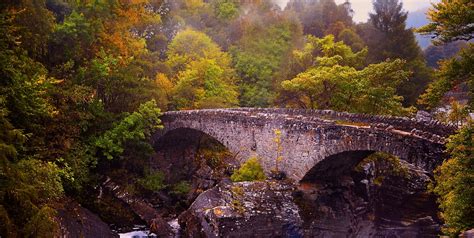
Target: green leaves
(251,170)
(204,84)
(451,73)
(260,56)
(153,181)
(451,20)
(454,179)
(204,77)
(136,127)
(333,80)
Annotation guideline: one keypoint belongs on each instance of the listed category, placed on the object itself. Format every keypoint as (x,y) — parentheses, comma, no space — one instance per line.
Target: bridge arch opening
(193,157)
(364,189)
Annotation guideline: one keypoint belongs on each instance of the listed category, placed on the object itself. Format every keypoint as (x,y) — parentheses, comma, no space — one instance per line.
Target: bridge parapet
(401,123)
(432,130)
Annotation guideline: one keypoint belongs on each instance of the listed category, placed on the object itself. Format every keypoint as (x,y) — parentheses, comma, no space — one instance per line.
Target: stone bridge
(311,137)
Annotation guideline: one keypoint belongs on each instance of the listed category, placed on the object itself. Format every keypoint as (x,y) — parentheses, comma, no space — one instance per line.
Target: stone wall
(310,136)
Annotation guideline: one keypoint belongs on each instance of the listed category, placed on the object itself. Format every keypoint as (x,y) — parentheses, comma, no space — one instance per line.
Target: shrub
(182,188)
(251,170)
(454,179)
(153,181)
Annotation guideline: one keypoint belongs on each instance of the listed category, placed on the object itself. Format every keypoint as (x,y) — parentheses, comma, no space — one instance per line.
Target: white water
(137,234)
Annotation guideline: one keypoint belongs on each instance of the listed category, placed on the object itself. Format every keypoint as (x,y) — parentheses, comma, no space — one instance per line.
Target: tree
(436,53)
(451,73)
(34,20)
(203,75)
(454,179)
(458,69)
(335,79)
(134,128)
(391,40)
(190,45)
(261,55)
(204,84)
(317,17)
(451,20)
(389,16)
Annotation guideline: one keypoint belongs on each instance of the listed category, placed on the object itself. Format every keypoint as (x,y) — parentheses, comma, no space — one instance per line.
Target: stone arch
(220,137)
(416,151)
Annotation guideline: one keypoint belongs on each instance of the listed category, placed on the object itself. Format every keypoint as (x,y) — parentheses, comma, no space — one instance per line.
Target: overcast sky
(363,7)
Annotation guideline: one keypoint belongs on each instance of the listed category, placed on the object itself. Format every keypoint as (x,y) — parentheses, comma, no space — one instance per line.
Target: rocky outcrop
(140,207)
(355,204)
(76,221)
(247,209)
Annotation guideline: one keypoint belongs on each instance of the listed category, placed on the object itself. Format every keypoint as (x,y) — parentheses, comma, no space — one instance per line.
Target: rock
(468,234)
(252,209)
(423,116)
(141,208)
(77,221)
(348,204)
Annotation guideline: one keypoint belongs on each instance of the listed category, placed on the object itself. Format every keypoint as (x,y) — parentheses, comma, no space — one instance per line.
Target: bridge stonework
(310,136)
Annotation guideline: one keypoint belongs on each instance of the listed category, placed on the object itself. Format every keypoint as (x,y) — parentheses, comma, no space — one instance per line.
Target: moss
(351,123)
(238,206)
(153,181)
(237,191)
(181,189)
(391,166)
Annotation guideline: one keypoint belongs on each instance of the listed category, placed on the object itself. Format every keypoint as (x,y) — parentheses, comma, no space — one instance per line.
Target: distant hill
(417,19)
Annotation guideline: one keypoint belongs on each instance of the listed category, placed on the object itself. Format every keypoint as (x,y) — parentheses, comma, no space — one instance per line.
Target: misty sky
(363,7)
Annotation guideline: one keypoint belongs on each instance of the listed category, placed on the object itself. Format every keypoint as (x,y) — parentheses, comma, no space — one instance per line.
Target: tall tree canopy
(335,79)
(451,20)
(204,77)
(387,37)
(261,55)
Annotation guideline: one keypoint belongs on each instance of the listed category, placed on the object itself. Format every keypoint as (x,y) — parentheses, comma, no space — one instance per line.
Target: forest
(84,83)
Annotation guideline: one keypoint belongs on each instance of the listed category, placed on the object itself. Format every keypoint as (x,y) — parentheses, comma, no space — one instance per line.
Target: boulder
(246,209)
(77,221)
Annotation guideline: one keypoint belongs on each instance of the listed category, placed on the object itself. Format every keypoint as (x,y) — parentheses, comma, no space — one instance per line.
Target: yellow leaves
(279,149)
(162,81)
(193,4)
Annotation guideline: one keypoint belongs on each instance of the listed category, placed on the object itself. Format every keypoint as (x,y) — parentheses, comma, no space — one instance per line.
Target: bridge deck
(432,130)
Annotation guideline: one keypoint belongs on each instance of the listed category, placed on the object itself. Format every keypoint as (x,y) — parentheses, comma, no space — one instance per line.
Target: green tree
(136,127)
(261,55)
(318,16)
(334,79)
(390,39)
(454,179)
(451,20)
(204,84)
(191,45)
(203,74)
(451,73)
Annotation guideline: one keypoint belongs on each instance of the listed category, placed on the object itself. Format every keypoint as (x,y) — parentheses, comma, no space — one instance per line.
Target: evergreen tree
(390,39)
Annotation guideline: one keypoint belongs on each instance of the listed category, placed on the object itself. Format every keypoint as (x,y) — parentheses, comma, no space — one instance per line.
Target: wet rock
(468,234)
(77,221)
(252,209)
(359,204)
(141,208)
(350,204)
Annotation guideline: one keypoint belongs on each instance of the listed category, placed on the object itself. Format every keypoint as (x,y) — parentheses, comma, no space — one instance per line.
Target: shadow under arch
(336,165)
(184,153)
(335,199)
